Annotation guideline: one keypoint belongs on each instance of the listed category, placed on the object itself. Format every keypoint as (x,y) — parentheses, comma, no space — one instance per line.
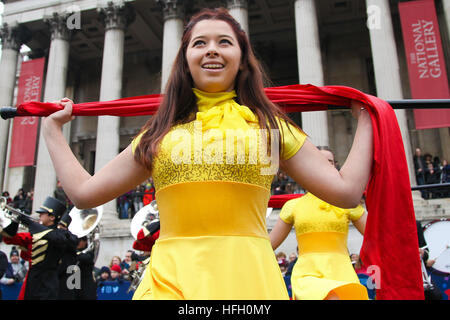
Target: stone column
(239,10)
(310,66)
(116,18)
(387,71)
(55,89)
(12,39)
(173,31)
(446,6)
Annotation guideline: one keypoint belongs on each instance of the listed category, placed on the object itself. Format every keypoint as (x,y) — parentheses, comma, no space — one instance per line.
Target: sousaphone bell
(143,217)
(85,223)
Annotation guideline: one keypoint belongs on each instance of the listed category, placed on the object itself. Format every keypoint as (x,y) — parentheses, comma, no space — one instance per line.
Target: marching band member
(68,259)
(86,262)
(145,239)
(431,290)
(147,236)
(47,248)
(24,241)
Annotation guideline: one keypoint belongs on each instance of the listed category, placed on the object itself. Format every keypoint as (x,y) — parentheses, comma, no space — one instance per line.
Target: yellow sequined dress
(323,264)
(212,189)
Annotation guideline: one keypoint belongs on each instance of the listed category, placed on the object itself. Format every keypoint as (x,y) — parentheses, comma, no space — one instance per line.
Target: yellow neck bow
(219,110)
(339,212)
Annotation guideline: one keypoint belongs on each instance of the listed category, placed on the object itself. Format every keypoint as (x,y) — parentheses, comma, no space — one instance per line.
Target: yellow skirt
(324,266)
(212,268)
(213,244)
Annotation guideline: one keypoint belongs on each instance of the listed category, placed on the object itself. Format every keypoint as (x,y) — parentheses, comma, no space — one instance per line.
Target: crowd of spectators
(128,204)
(16,270)
(430,170)
(132,201)
(22,200)
(120,270)
(283,184)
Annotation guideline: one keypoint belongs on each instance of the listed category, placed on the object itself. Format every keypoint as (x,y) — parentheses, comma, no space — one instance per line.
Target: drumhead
(437,236)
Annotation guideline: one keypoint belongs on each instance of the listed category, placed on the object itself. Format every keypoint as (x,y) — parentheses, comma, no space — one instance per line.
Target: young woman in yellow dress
(323,270)
(212,188)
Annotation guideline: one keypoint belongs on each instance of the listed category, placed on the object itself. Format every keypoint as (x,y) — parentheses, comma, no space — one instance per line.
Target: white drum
(437,236)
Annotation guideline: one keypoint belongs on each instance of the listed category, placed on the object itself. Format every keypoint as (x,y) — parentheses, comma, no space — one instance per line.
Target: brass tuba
(85,223)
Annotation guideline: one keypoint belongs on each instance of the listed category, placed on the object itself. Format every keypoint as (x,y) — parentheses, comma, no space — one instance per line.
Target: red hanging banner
(24,131)
(425,59)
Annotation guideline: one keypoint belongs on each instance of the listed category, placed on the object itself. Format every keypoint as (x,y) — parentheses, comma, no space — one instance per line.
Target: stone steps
(430,209)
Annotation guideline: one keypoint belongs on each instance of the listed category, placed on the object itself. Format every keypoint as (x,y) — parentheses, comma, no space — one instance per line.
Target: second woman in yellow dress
(323,270)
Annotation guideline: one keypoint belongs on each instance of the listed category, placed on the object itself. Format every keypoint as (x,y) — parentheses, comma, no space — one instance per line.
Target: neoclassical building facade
(99,50)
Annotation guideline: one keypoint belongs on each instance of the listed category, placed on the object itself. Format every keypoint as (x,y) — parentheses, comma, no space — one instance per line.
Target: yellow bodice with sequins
(212,178)
(311,214)
(223,143)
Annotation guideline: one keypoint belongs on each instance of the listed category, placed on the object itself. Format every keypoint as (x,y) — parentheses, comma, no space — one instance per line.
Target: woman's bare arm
(118,176)
(360,224)
(344,188)
(279,233)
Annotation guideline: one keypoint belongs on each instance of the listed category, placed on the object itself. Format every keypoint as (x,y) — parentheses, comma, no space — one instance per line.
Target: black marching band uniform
(431,291)
(69,258)
(83,262)
(86,261)
(48,247)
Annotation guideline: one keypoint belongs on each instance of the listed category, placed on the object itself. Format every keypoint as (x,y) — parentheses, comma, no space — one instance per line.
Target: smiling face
(213,56)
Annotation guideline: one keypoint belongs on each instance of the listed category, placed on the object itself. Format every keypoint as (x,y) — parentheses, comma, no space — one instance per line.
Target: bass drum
(437,236)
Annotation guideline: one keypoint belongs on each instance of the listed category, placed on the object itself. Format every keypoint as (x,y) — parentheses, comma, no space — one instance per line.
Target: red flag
(426,61)
(24,130)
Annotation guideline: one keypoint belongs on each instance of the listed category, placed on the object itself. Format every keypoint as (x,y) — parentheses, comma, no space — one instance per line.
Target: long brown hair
(179,101)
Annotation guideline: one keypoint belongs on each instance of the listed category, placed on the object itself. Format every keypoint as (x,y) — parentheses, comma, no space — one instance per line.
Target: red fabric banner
(24,131)
(295,98)
(390,240)
(278,201)
(426,61)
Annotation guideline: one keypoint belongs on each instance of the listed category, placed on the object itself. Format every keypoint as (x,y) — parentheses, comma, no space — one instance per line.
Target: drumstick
(446,247)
